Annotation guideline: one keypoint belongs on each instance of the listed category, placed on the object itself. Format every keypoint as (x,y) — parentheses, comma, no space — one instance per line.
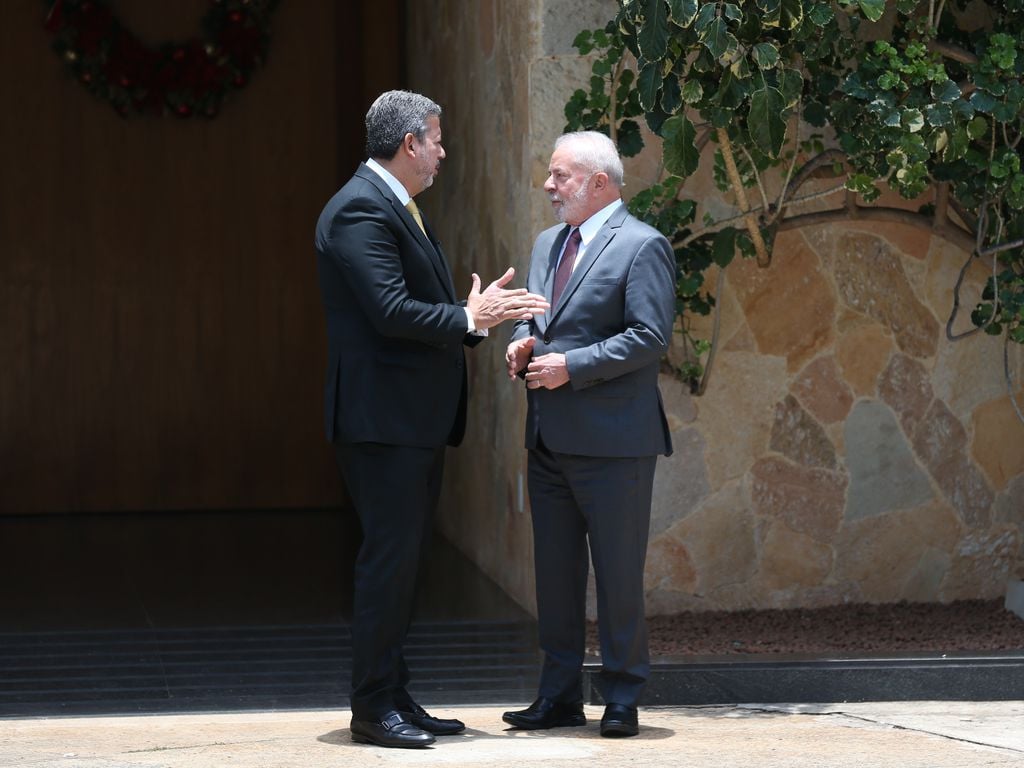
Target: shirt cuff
(471,326)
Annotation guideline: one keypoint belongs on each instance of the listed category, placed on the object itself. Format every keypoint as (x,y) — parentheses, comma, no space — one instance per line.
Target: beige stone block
(943,270)
(969,372)
(883,553)
(798,437)
(552,81)
(806,499)
(790,559)
(732,321)
(669,566)
(941,443)
(822,391)
(790,306)
(871,279)
(562,20)
(998,445)
(735,413)
(925,580)
(905,387)
(982,564)
(862,353)
(910,241)
(680,482)
(720,540)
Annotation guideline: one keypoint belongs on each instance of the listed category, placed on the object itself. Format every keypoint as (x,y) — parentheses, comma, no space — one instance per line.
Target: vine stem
(764,257)
(719,282)
(1009,377)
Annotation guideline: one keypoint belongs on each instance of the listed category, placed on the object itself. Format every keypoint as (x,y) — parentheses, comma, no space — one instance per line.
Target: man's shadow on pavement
(342,737)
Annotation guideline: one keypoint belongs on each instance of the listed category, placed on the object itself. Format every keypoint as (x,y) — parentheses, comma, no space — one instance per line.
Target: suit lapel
(428,244)
(601,240)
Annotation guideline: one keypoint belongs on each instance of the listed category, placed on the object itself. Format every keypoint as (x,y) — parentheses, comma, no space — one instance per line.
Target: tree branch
(946,230)
(760,248)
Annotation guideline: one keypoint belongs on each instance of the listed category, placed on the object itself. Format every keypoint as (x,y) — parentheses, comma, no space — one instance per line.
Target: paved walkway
(903,735)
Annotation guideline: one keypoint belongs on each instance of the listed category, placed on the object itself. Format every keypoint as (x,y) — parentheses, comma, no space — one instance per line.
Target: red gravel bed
(961,626)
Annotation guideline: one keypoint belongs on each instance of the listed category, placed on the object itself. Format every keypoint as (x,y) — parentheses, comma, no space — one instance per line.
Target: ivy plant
(920,97)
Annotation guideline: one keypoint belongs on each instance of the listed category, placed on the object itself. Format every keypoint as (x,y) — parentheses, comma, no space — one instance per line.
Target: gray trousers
(606,502)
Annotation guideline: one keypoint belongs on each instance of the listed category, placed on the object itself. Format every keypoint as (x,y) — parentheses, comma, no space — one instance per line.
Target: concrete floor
(907,735)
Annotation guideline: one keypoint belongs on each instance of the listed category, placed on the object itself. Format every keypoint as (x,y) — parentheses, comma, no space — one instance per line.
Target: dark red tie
(565,265)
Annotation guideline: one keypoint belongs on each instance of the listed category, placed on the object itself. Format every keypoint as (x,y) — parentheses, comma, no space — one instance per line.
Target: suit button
(547,338)
(458,362)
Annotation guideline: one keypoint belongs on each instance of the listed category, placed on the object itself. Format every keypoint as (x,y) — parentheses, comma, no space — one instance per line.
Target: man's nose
(549,184)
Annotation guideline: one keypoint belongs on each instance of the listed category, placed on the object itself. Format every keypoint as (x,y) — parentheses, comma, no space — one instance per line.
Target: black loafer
(392,730)
(419,717)
(619,720)
(545,713)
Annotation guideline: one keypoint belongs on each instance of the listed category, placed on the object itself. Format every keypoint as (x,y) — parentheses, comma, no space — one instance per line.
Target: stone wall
(844,450)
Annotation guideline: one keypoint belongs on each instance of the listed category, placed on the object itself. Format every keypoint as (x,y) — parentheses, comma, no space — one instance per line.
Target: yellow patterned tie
(411,207)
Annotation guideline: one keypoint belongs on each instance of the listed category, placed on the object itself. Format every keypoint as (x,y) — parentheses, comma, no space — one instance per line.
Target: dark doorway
(164,480)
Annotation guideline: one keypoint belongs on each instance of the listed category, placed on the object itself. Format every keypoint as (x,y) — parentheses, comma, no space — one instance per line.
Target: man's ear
(600,180)
(409,144)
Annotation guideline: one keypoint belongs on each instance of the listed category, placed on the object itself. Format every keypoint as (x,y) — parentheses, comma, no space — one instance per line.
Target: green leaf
(815,114)
(792,86)
(821,14)
(723,248)
(982,101)
(692,91)
(913,120)
(766,55)
(653,35)
(765,123)
(945,92)
(582,42)
(683,12)
(939,115)
(671,98)
(771,12)
(977,128)
(872,9)
(648,84)
(720,41)
(680,154)
(732,12)
(791,13)
(629,139)
(706,14)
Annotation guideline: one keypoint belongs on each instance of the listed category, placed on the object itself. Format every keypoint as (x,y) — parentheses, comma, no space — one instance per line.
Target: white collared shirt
(394,184)
(404,197)
(589,229)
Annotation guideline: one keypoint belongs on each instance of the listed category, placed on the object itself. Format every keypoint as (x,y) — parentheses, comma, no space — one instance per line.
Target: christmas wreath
(183,79)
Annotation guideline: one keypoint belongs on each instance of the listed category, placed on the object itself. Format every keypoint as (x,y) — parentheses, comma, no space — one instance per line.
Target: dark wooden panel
(161,339)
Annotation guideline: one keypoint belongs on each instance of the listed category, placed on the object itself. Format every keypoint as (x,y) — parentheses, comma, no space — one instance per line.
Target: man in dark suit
(396,391)
(594,428)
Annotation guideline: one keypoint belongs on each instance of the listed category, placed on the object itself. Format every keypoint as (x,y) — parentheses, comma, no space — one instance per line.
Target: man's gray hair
(391,117)
(595,152)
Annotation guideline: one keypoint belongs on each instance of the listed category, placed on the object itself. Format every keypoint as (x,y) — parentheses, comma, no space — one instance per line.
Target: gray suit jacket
(613,323)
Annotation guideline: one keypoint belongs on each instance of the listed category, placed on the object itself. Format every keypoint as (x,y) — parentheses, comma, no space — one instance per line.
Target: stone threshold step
(727,680)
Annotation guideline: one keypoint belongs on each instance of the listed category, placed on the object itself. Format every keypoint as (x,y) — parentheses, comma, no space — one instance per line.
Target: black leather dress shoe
(419,717)
(619,720)
(393,730)
(545,713)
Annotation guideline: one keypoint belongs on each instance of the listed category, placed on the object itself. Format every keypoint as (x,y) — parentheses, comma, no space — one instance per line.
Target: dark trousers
(395,490)
(606,501)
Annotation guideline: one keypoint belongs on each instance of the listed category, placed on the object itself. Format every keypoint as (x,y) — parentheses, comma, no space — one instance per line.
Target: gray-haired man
(594,428)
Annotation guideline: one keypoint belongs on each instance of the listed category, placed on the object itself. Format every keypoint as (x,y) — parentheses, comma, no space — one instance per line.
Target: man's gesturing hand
(517,355)
(496,304)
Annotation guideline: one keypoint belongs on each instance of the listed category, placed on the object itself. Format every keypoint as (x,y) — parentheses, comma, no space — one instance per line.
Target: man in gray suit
(594,428)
